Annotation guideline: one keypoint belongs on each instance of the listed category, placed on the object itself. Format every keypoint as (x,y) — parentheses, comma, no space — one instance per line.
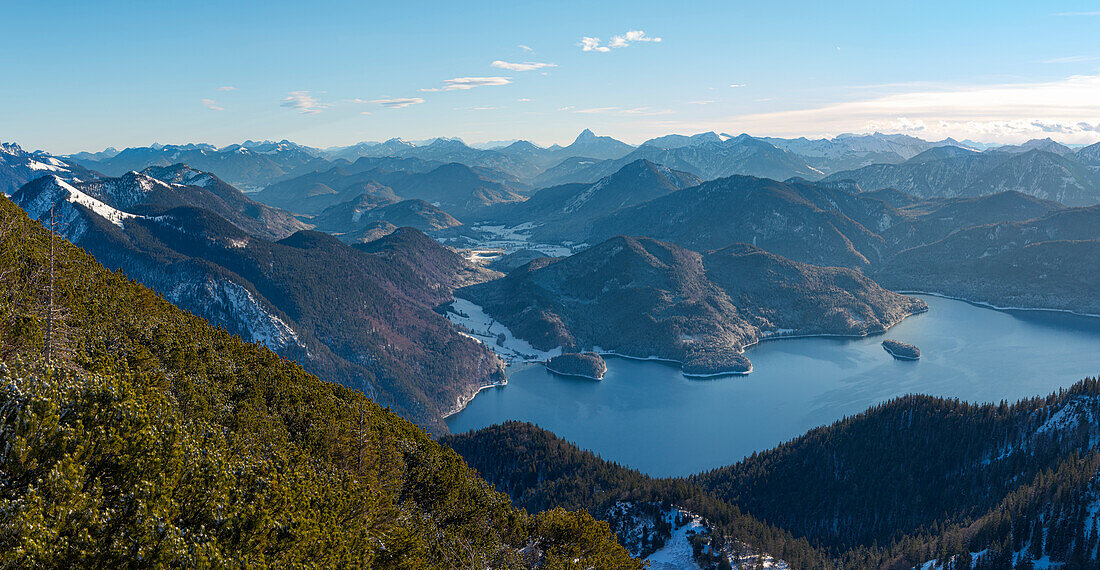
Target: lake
(648,416)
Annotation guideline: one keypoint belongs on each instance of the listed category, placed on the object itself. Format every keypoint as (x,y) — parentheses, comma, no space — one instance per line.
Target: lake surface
(648,416)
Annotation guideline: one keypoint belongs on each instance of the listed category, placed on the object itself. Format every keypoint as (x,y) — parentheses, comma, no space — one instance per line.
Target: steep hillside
(154,439)
(362,319)
(904,472)
(1036,263)
(539,470)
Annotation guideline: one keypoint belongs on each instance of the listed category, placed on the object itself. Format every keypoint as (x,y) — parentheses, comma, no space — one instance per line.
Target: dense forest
(914,480)
(134,434)
(539,470)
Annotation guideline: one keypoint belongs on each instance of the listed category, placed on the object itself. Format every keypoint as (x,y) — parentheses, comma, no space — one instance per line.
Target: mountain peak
(586,136)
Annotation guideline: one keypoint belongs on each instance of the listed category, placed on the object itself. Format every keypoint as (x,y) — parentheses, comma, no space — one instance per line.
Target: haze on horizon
(341,72)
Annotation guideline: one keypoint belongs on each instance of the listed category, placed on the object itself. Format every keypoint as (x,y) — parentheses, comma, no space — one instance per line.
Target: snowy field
(493,241)
(495,335)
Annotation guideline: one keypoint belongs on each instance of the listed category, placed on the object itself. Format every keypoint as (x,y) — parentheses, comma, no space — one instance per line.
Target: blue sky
(86,75)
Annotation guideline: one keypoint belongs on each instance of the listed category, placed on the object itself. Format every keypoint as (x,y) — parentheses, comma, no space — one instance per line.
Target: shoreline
(566,374)
(463,401)
(988,305)
(900,356)
(678,363)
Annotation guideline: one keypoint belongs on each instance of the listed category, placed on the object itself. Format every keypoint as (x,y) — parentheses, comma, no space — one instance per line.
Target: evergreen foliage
(158,440)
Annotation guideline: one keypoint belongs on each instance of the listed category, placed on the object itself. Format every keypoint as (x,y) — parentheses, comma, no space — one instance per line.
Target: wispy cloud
(1009,112)
(524,48)
(1071,59)
(735,85)
(588,43)
(462,83)
(227,88)
(524,100)
(702,102)
(398,102)
(303,102)
(525,66)
(633,111)
(212,105)
(1091,13)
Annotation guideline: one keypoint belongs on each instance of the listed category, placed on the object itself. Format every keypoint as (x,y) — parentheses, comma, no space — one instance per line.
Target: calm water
(646,415)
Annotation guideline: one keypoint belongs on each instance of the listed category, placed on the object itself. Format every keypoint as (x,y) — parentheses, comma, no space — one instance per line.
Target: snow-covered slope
(18,166)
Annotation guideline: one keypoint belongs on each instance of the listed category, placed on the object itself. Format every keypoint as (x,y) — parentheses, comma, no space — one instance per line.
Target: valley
(550,285)
(678,319)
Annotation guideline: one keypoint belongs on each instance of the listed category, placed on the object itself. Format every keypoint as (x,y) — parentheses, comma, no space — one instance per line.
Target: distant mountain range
(17,167)
(1042,169)
(707,157)
(250,166)
(641,297)
(455,187)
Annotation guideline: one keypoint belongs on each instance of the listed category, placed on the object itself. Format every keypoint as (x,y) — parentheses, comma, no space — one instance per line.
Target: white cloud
(631,37)
(525,48)
(1010,112)
(304,102)
(398,103)
(702,102)
(592,44)
(1092,13)
(212,105)
(619,41)
(737,85)
(1071,59)
(462,83)
(227,88)
(525,66)
(634,111)
(524,100)
(595,110)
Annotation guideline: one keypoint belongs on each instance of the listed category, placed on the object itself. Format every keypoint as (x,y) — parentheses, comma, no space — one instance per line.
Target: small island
(901,350)
(580,364)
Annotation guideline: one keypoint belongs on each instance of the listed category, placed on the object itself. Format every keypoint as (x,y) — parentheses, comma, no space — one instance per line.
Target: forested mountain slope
(154,439)
(642,297)
(539,470)
(345,314)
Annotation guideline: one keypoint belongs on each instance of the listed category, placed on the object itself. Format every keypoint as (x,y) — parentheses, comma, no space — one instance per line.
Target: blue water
(648,416)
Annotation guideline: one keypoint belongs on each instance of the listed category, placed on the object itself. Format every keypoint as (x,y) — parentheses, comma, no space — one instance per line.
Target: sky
(81,75)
